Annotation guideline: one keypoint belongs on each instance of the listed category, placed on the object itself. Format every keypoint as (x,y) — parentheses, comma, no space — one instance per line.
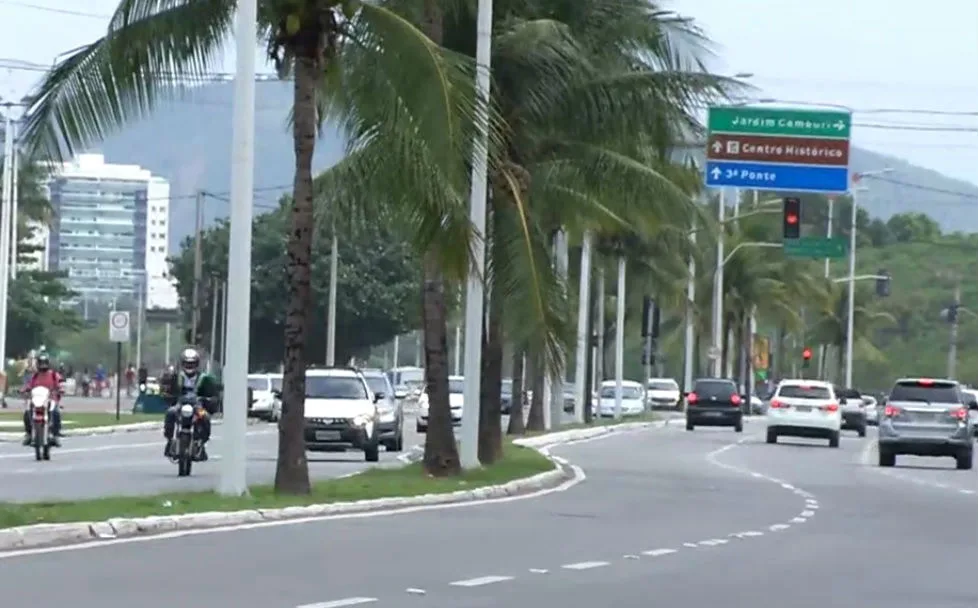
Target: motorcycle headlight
(186,410)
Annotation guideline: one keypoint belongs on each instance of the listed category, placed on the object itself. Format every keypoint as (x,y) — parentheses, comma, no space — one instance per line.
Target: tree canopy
(377,284)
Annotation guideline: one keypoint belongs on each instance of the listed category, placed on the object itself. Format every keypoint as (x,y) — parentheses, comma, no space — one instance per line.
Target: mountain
(188,142)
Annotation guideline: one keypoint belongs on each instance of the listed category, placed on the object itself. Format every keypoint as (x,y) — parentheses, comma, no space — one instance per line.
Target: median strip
(525,470)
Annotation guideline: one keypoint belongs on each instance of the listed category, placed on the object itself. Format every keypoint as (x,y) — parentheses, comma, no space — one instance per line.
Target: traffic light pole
(852,287)
(828,234)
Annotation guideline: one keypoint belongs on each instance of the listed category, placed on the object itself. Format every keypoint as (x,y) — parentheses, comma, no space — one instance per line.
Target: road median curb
(92,431)
(44,535)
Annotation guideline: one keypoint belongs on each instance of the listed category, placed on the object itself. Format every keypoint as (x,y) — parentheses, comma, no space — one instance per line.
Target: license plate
(327,435)
(803,408)
(713,414)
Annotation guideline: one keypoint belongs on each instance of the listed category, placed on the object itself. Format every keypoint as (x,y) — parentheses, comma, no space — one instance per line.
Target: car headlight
(364,419)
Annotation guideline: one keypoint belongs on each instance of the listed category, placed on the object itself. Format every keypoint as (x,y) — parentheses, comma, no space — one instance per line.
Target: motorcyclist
(189,381)
(52,380)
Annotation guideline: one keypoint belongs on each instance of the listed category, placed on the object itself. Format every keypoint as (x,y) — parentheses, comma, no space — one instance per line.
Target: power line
(890,180)
(51,9)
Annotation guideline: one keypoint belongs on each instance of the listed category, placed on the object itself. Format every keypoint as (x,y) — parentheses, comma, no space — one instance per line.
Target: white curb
(118,429)
(26,537)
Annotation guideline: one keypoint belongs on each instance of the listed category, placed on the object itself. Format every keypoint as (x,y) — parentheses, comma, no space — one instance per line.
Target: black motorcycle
(187,446)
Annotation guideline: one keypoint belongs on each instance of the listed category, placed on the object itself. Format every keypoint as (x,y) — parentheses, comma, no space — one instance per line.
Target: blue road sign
(767,176)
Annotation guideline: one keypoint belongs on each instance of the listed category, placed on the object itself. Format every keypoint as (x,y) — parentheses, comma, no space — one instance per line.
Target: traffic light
(952,313)
(806,357)
(883,283)
(792,218)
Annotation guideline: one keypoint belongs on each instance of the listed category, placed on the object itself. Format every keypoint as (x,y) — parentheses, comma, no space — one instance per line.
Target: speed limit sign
(119,326)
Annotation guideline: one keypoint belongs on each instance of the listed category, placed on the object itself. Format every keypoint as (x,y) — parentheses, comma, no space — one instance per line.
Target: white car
(804,408)
(662,392)
(407,382)
(341,412)
(632,398)
(265,403)
(973,414)
(456,386)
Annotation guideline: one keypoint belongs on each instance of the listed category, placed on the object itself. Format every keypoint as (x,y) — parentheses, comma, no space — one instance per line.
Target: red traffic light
(806,354)
(791,218)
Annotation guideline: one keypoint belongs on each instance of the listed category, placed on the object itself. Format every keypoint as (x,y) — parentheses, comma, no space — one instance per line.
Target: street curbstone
(42,535)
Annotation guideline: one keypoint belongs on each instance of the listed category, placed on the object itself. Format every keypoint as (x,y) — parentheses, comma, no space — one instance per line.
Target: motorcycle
(187,446)
(41,406)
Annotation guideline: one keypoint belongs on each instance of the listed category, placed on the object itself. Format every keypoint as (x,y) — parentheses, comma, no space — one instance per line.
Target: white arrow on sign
(717,147)
(716,173)
(840,125)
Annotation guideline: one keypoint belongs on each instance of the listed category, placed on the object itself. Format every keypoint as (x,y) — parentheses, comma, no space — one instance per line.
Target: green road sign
(816,247)
(770,121)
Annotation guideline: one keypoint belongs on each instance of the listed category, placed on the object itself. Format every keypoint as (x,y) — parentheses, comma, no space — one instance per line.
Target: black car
(714,402)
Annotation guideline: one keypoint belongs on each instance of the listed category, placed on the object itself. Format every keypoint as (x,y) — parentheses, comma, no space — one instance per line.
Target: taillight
(777,404)
(832,407)
(959,413)
(692,398)
(891,411)
(735,399)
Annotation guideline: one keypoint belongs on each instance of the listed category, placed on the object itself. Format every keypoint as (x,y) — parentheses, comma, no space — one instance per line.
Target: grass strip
(87,420)
(517,462)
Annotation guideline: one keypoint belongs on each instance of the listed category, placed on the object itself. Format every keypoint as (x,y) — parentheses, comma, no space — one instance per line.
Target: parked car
(663,393)
(632,398)
(390,410)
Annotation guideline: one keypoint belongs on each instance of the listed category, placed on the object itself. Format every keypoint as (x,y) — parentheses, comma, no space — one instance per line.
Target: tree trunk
(490,416)
(440,450)
(516,426)
(292,469)
(535,371)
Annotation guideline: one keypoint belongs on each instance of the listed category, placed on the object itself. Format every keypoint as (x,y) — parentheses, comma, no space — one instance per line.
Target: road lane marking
(658,552)
(807,513)
(799,520)
(482,580)
(349,601)
(538,571)
(778,527)
(415,591)
(584,565)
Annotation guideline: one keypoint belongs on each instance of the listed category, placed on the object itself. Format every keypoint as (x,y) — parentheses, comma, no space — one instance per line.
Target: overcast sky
(865,54)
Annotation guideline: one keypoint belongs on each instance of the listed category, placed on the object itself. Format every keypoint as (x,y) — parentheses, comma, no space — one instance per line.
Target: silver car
(924,417)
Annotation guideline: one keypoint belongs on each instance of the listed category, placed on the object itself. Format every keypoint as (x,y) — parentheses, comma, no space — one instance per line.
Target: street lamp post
(852,267)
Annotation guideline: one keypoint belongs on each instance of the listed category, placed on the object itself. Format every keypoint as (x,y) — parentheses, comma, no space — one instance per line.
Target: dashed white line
(539,570)
(787,486)
(658,552)
(807,513)
(584,565)
(777,527)
(690,545)
(799,520)
(968,492)
(712,542)
(349,601)
(629,556)
(415,591)
(480,581)
(747,534)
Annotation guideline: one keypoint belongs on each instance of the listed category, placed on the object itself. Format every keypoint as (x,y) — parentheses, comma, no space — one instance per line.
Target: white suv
(804,408)
(341,412)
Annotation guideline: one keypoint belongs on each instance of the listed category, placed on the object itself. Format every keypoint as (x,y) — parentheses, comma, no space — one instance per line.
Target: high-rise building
(110,230)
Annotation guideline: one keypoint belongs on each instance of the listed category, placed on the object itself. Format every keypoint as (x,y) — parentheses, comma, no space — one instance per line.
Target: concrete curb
(40,535)
(118,429)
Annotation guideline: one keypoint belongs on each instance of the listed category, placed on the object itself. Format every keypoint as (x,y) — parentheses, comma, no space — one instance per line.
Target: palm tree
(831,325)
(356,60)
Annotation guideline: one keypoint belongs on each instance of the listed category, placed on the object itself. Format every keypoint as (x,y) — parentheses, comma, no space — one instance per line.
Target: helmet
(43,362)
(190,361)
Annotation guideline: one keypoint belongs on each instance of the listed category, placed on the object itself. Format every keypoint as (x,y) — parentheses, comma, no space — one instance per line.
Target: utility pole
(215,303)
(140,306)
(198,266)
(6,204)
(690,347)
(14,204)
(716,346)
(822,351)
(331,327)
(954,318)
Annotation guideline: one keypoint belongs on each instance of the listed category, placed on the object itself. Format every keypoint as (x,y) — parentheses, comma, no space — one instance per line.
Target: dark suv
(714,402)
(925,417)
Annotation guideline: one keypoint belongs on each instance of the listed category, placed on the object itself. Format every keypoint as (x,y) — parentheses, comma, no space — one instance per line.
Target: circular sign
(119,320)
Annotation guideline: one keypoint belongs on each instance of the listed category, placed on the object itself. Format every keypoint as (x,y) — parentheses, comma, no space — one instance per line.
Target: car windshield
(335,387)
(377,384)
(258,384)
(408,377)
(794,391)
(714,388)
(456,386)
(627,392)
(663,385)
(507,387)
(925,391)
(276,383)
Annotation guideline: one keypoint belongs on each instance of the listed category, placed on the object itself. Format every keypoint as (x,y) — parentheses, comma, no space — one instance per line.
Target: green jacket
(207,387)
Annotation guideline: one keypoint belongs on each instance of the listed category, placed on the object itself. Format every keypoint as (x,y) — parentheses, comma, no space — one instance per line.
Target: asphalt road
(665,517)
(133,463)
